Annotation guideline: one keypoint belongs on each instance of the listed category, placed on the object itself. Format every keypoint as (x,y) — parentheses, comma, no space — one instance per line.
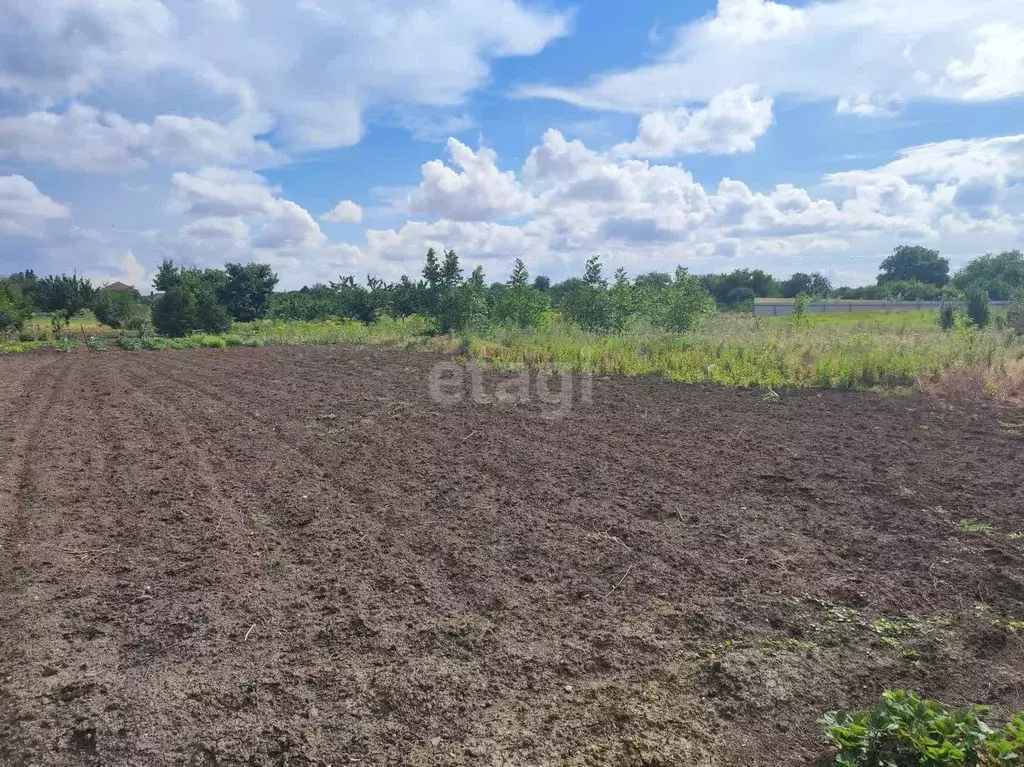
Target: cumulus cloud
(24,210)
(345,211)
(729,124)
(646,214)
(85,139)
(313,67)
(479,192)
(224,199)
(843,49)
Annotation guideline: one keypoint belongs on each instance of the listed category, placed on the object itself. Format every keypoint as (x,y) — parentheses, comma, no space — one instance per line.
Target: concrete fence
(781,307)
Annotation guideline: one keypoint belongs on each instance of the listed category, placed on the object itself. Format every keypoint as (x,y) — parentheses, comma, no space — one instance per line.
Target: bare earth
(296,556)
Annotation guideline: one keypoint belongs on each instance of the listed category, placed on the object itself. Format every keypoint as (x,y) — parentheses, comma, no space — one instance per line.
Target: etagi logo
(556,387)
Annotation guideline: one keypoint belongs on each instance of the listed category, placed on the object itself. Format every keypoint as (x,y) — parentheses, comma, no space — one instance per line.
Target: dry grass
(1004,382)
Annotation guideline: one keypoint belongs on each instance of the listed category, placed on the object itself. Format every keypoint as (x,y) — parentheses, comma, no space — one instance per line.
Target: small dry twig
(249,632)
(620,582)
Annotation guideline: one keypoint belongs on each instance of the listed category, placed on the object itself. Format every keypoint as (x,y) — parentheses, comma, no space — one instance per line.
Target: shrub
(947,317)
(184,309)
(63,294)
(174,312)
(121,310)
(1015,314)
(977,306)
(247,291)
(904,730)
(800,308)
(687,303)
(12,315)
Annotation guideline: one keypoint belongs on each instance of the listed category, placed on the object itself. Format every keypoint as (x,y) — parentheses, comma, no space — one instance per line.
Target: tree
(14,306)
(737,283)
(1001,275)
(542,283)
(464,308)
(246,294)
(174,312)
(815,285)
(520,276)
(913,262)
(63,294)
(687,303)
(432,269)
(584,303)
(592,274)
(192,301)
(167,276)
(120,309)
(521,303)
(451,272)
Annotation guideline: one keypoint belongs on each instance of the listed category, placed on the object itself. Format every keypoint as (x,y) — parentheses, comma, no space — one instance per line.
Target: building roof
(118,286)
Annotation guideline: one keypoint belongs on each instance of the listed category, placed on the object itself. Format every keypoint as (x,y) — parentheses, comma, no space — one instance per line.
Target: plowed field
(296,555)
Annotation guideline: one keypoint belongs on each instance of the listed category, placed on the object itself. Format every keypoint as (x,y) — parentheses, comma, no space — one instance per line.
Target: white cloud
(869,105)
(729,124)
(646,215)
(121,266)
(220,197)
(996,67)
(345,211)
(24,209)
(852,49)
(480,192)
(84,139)
(313,67)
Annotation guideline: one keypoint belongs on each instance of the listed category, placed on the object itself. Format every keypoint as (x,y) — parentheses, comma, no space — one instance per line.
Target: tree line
(191,299)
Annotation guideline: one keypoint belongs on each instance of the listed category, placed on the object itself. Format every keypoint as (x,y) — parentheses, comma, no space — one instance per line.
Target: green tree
(913,262)
(815,285)
(192,303)
(687,303)
(66,295)
(167,276)
(432,269)
(464,307)
(592,274)
(521,303)
(520,276)
(542,283)
(246,293)
(451,272)
(120,309)
(15,308)
(585,304)
(1001,275)
(174,313)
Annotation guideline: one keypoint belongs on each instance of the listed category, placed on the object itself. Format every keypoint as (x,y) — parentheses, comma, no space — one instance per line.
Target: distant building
(118,287)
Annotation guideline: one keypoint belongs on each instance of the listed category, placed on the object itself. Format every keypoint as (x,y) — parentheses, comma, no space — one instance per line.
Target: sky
(337,137)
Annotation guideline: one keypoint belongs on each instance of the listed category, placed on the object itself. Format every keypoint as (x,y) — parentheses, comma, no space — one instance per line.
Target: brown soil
(296,556)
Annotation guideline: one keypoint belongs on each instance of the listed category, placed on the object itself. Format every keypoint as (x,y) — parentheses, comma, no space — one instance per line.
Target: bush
(174,313)
(977,306)
(12,315)
(121,310)
(184,310)
(247,291)
(947,317)
(687,303)
(904,730)
(1015,314)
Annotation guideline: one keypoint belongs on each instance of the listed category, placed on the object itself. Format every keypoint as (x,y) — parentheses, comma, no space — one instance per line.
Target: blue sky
(331,137)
